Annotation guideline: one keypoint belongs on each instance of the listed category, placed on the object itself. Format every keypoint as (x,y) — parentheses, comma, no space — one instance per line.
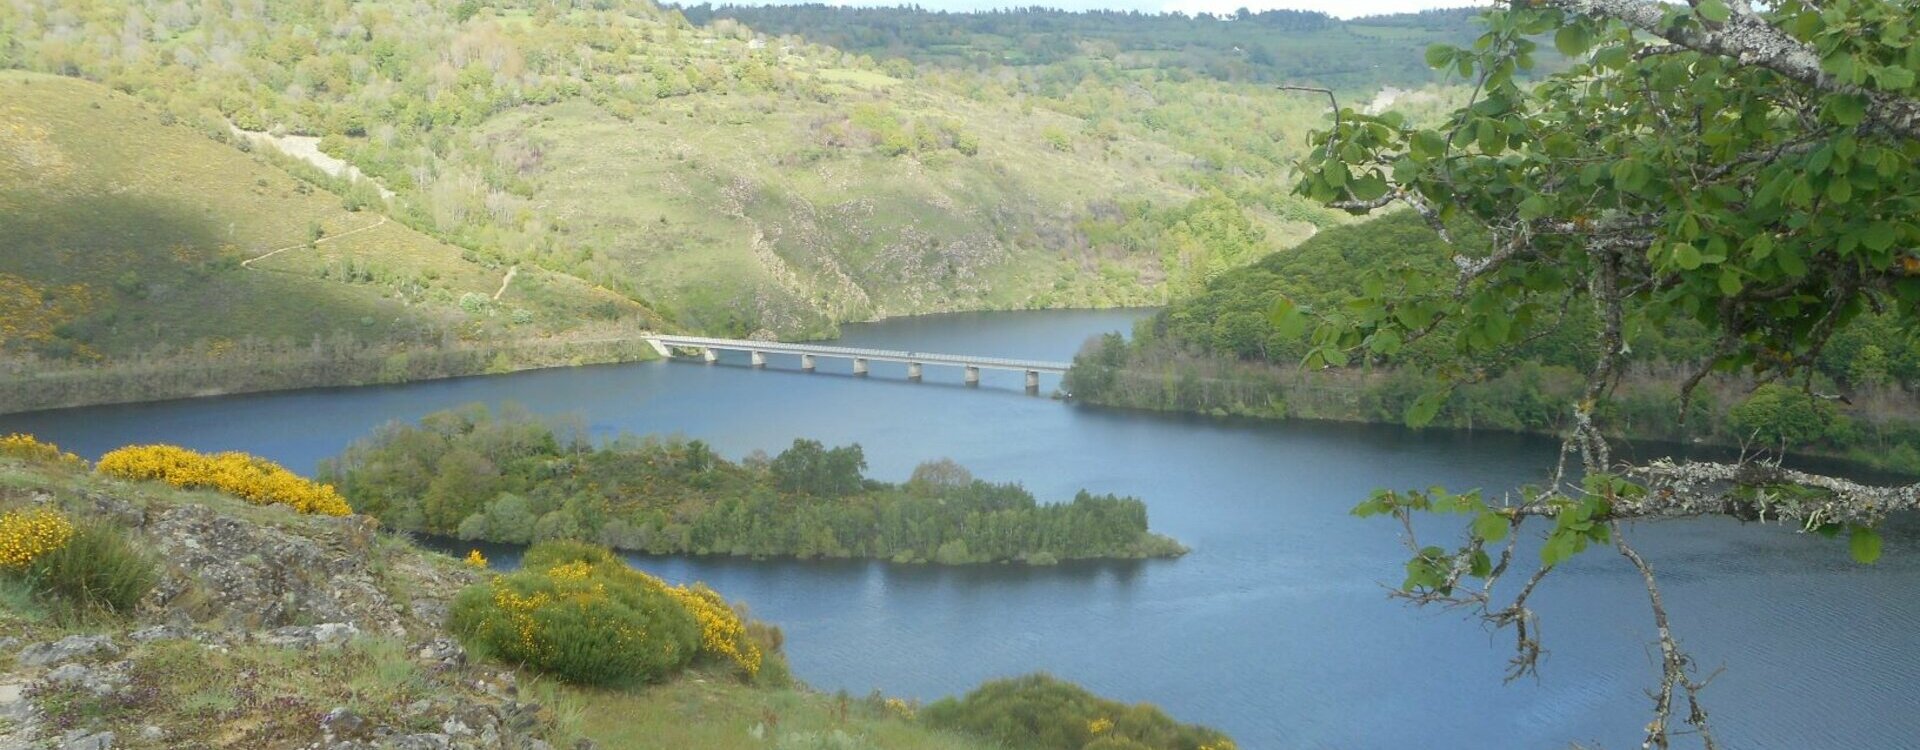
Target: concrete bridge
(709,349)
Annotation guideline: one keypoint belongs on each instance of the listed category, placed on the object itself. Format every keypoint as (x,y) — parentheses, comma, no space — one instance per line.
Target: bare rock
(67,649)
(80,740)
(259,576)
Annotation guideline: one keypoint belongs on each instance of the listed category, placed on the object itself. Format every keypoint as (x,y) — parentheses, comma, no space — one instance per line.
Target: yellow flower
(1101,725)
(476,560)
(26,447)
(250,478)
(26,535)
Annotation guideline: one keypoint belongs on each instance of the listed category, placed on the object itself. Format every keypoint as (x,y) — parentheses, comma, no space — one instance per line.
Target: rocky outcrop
(238,580)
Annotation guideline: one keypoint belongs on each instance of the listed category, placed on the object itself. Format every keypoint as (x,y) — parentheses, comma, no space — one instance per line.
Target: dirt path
(270,253)
(511,271)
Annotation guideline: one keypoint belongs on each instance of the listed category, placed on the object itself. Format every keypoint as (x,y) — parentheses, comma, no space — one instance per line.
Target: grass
(703,711)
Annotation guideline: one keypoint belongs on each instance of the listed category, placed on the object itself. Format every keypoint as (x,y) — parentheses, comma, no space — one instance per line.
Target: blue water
(1277,628)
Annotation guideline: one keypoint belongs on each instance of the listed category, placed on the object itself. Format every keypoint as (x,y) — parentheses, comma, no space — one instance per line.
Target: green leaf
(1368,188)
(1840,190)
(1864,543)
(1287,319)
(1730,283)
(1491,526)
(1846,109)
(1713,10)
(1533,207)
(1385,342)
(1423,409)
(1439,55)
(1879,236)
(1572,40)
(1687,257)
(1892,77)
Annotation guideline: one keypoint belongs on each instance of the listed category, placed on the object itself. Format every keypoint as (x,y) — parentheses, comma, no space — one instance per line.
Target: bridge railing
(776,347)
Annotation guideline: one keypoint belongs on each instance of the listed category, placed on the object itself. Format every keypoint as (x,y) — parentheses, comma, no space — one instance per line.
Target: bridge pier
(759,358)
(806,362)
(709,355)
(913,371)
(1033,381)
(860,366)
(973,375)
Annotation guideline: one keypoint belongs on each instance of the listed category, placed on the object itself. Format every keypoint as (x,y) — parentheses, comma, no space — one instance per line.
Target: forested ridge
(507,477)
(1358,55)
(1236,348)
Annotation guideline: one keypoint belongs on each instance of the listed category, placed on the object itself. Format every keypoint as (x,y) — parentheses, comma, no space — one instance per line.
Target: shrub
(27,448)
(97,570)
(563,568)
(247,477)
(583,621)
(1041,712)
(26,536)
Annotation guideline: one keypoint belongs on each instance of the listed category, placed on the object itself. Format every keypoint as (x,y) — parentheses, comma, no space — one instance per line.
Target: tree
(1744,166)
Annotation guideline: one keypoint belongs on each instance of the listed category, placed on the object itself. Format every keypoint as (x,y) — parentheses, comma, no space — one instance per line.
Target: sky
(1341,8)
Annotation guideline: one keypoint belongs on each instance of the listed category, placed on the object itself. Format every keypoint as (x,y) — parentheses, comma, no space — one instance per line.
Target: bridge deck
(879,355)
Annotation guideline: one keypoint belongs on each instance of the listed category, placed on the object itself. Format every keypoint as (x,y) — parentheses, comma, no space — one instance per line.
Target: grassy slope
(698,711)
(96,190)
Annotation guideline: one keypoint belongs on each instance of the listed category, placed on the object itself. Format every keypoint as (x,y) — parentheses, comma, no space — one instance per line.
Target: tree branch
(1750,41)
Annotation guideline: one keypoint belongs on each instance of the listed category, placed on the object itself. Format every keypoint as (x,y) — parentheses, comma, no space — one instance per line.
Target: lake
(1277,628)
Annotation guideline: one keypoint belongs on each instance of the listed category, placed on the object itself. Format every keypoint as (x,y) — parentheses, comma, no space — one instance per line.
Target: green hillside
(734,181)
(132,238)
(135,227)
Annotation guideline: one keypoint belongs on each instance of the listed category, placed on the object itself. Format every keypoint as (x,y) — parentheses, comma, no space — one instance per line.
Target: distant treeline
(1268,46)
(1224,352)
(507,477)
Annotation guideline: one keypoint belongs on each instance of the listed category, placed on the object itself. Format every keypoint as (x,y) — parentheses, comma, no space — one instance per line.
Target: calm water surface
(1276,628)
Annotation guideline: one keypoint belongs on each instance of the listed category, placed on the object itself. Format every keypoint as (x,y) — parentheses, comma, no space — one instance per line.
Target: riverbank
(261,368)
(1877,429)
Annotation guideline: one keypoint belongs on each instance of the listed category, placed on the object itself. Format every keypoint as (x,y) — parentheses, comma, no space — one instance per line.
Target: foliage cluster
(1236,347)
(245,476)
(1042,712)
(580,612)
(508,477)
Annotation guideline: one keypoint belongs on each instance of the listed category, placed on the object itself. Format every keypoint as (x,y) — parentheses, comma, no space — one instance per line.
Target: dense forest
(1237,348)
(507,477)
(1271,46)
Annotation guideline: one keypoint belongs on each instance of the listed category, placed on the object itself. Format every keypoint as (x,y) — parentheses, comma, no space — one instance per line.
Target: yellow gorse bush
(1099,726)
(247,477)
(26,535)
(27,448)
(476,560)
(722,633)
